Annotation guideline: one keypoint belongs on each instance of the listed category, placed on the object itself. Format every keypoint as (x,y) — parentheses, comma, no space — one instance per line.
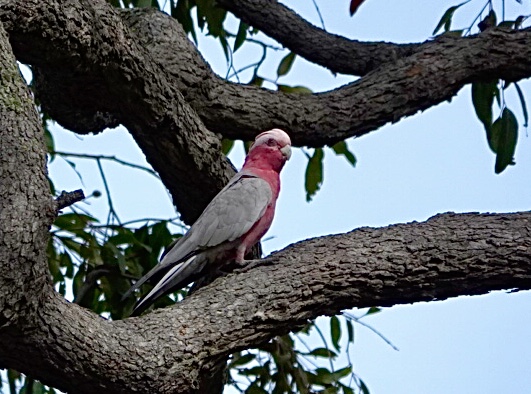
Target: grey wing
(229,215)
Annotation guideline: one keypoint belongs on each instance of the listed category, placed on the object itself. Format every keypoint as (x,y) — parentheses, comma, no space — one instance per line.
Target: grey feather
(230,215)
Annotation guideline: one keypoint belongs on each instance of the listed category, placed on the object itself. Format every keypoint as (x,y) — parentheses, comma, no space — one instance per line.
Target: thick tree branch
(95,66)
(336,53)
(435,72)
(86,41)
(169,351)
(172,350)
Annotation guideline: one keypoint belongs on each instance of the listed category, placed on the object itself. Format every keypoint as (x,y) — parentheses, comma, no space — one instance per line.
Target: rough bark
(117,82)
(174,350)
(96,67)
(336,53)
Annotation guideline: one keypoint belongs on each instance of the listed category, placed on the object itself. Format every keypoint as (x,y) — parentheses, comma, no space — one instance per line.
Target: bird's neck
(267,168)
(261,158)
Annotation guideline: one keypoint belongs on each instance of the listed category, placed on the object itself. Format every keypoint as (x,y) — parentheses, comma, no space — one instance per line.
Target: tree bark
(96,67)
(334,52)
(116,81)
(175,349)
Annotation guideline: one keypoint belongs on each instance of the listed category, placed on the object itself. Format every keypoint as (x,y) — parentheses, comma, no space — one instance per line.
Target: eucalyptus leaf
(314,173)
(503,140)
(341,148)
(446,19)
(335,331)
(241,35)
(524,105)
(294,89)
(285,64)
(483,94)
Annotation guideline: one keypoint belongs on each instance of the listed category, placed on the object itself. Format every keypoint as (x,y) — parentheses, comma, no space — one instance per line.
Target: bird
(234,221)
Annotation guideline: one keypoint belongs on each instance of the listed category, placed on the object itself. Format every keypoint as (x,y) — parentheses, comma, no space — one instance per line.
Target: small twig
(319,14)
(478,16)
(66,199)
(112,212)
(358,320)
(110,158)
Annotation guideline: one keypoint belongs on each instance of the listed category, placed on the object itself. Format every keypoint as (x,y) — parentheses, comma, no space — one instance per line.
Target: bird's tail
(175,278)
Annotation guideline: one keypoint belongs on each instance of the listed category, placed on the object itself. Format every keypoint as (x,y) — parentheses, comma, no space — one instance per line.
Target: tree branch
(434,73)
(117,81)
(170,350)
(66,199)
(334,52)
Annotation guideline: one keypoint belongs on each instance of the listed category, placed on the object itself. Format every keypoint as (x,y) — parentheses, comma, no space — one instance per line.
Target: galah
(230,225)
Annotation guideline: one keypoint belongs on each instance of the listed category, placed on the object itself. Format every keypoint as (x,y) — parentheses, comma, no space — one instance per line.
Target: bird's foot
(246,265)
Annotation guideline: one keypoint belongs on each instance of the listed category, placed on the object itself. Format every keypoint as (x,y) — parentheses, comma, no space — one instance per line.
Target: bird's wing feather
(173,278)
(229,216)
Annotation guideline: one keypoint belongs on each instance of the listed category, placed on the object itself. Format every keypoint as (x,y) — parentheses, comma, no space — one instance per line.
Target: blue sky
(433,162)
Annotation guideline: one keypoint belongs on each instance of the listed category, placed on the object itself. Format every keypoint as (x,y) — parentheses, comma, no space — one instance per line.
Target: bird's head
(272,140)
(270,150)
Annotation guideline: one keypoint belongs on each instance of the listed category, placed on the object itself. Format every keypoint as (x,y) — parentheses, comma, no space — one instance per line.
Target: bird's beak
(286,151)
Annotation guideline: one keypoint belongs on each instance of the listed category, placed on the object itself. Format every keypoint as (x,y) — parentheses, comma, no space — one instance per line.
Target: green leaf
(321,352)
(294,89)
(285,64)
(301,380)
(518,22)
(346,389)
(239,360)
(53,266)
(372,310)
(446,19)
(255,389)
(50,144)
(350,330)
(503,140)
(341,148)
(209,13)
(488,22)
(335,331)
(226,145)
(314,174)
(144,4)
(256,80)
(254,371)
(181,12)
(324,376)
(71,244)
(524,105)
(73,222)
(241,35)
(507,24)
(225,46)
(363,387)
(482,98)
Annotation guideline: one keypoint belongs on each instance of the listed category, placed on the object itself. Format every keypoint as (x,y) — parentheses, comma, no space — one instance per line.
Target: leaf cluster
(502,133)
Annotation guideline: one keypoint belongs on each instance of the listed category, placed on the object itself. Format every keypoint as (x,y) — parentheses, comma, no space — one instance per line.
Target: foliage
(94,263)
(501,133)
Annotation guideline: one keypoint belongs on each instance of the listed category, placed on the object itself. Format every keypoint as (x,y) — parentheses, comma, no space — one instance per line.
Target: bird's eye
(271,142)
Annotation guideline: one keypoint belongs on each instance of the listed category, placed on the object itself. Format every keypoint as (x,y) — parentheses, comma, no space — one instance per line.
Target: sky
(436,161)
